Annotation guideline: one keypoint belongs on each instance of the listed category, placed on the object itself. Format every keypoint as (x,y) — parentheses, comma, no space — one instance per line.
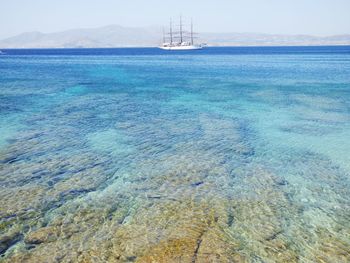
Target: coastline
(152,46)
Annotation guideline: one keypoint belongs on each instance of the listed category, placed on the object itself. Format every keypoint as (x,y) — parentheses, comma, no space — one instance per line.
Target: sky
(313,17)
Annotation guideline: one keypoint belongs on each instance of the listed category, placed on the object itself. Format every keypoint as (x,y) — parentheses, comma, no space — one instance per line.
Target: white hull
(189,47)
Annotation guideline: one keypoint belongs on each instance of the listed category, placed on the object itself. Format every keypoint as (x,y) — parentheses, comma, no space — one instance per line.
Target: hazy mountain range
(118,36)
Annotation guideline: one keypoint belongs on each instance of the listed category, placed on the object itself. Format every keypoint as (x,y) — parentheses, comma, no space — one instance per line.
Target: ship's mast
(180,29)
(191,31)
(171,31)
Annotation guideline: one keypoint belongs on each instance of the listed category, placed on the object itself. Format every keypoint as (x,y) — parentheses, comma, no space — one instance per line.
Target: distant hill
(258,39)
(108,36)
(118,36)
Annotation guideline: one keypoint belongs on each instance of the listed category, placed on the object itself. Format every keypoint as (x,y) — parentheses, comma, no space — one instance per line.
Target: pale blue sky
(317,17)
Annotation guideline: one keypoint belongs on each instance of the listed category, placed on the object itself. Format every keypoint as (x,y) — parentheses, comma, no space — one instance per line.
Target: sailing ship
(179,40)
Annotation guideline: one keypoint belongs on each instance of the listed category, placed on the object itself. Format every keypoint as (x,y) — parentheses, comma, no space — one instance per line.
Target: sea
(226,154)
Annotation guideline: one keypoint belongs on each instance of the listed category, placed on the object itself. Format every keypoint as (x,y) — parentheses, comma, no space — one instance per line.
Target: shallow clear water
(224,155)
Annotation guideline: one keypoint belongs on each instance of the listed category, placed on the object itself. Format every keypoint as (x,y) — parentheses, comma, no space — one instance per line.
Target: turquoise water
(224,155)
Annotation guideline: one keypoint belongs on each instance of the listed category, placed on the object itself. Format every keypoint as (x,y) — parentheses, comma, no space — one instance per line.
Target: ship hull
(174,48)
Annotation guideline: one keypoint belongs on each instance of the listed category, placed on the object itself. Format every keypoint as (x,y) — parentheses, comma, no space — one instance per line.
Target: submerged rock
(9,240)
(42,235)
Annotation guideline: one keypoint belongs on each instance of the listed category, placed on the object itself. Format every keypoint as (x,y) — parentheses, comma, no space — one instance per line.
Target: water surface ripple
(138,155)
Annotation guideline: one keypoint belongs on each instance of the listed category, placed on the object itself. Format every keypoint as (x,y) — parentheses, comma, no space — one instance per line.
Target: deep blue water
(139,154)
(206,51)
